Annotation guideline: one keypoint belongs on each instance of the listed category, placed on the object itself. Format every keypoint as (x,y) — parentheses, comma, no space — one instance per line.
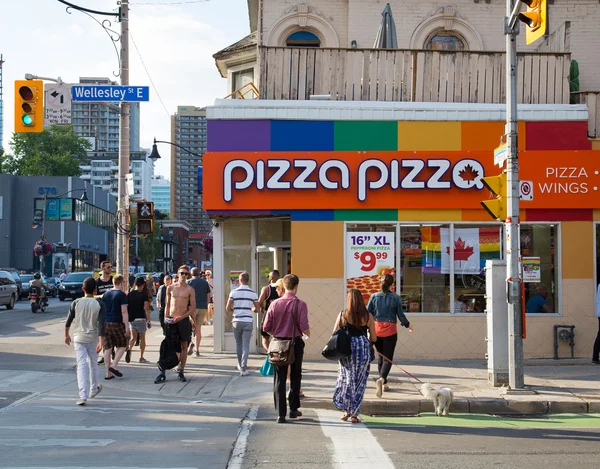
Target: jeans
(242,331)
(595,355)
(385,346)
(86,353)
(280,379)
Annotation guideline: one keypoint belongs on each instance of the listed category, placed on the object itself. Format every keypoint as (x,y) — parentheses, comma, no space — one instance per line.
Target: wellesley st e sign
(110,93)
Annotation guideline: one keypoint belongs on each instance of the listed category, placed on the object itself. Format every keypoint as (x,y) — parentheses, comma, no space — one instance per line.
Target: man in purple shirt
(279,322)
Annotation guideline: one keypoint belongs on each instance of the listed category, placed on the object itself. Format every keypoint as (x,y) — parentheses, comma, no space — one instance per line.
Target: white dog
(442,398)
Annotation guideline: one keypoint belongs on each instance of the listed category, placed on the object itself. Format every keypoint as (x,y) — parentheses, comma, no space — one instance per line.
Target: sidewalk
(563,386)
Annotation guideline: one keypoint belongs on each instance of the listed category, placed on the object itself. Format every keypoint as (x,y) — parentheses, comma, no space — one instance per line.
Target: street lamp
(154,154)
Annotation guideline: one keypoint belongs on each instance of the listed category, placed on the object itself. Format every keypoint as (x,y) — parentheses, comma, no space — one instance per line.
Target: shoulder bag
(281,351)
(339,345)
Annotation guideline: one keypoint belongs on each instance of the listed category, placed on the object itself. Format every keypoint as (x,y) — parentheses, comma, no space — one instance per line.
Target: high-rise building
(161,194)
(188,129)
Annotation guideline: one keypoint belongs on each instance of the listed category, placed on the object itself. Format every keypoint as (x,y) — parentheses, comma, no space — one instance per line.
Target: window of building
(303,39)
(445,40)
(538,249)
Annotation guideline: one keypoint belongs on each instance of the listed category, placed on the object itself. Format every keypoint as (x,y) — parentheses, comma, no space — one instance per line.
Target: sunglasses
(183,273)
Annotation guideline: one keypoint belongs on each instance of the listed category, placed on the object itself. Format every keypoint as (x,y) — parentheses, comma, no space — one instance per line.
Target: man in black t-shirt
(139,318)
(103,284)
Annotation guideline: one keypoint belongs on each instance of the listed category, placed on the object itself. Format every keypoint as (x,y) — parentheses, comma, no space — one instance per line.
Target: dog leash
(403,370)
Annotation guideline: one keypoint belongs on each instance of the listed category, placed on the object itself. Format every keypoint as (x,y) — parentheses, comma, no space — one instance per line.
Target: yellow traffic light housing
(535,19)
(496,207)
(29,106)
(145,218)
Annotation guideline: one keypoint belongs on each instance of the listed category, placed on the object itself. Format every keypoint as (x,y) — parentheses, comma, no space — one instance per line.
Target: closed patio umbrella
(386,36)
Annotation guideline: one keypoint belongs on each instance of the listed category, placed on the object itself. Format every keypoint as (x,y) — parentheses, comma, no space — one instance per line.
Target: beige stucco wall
(359,20)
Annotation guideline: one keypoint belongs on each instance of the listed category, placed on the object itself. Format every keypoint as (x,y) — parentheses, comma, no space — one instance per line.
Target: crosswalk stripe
(116,428)
(347,453)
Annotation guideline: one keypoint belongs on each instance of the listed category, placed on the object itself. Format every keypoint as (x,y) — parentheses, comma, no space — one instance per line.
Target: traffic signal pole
(123,218)
(512,241)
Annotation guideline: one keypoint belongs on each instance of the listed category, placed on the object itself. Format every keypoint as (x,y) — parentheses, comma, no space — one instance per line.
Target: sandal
(345,417)
(355,419)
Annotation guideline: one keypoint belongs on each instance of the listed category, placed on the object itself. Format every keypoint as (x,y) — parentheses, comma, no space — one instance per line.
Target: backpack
(168,356)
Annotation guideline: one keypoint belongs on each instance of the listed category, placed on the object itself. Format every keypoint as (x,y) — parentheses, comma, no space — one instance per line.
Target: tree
(57,151)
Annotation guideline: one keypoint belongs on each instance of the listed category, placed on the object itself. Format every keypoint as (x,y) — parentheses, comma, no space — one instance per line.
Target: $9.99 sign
(368,255)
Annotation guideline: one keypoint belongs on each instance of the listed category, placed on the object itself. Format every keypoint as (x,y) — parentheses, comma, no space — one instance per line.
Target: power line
(181,2)
(148,73)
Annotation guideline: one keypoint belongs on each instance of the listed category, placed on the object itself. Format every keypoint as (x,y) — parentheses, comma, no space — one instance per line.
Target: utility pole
(123,199)
(512,241)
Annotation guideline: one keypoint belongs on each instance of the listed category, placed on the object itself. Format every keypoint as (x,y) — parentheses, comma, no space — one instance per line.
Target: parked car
(8,290)
(52,290)
(15,275)
(70,287)
(25,278)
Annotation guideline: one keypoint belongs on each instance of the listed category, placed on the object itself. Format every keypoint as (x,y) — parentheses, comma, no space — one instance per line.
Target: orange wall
(577,255)
(318,249)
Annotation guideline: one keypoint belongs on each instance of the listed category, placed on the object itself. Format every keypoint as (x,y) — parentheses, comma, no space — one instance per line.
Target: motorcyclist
(40,286)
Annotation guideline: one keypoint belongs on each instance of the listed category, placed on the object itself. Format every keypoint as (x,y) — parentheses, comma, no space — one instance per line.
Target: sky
(175,38)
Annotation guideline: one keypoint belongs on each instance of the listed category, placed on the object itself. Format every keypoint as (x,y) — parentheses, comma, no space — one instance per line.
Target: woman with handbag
(353,371)
(386,308)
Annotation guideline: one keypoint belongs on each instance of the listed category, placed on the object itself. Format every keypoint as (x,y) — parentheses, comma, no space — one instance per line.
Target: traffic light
(535,19)
(496,207)
(29,105)
(145,218)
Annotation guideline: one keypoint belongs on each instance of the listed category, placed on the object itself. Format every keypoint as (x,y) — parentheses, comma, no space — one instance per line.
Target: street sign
(58,103)
(501,154)
(526,190)
(110,93)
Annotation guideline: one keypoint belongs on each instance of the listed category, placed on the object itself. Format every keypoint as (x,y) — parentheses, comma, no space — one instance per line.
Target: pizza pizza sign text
(372,174)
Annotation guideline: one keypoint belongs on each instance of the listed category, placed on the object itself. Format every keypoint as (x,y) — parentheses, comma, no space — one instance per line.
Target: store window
(274,231)
(235,261)
(440,266)
(237,232)
(538,249)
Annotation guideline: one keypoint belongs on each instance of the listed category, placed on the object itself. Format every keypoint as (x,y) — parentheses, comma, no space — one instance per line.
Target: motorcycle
(37,302)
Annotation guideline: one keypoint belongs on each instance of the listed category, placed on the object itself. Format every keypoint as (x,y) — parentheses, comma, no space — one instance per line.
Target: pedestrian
(242,301)
(353,371)
(596,352)
(63,275)
(269,291)
(386,308)
(116,326)
(104,283)
(86,322)
(161,302)
(266,337)
(150,286)
(202,293)
(211,302)
(286,317)
(180,308)
(138,310)
(131,280)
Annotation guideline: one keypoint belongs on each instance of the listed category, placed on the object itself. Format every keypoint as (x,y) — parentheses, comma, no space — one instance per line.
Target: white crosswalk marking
(115,428)
(347,454)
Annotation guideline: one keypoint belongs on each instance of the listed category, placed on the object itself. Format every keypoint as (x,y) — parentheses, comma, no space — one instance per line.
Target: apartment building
(161,194)
(188,130)
(381,173)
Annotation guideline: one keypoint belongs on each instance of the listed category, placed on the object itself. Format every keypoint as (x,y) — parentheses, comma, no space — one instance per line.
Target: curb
(383,407)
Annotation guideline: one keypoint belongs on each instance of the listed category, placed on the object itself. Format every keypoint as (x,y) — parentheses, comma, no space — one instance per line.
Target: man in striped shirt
(242,301)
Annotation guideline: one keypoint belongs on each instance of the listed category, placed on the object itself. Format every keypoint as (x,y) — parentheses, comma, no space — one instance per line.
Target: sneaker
(197,354)
(81,401)
(177,369)
(98,391)
(386,388)
(181,377)
(191,349)
(244,373)
(128,356)
(143,360)
(239,367)
(379,387)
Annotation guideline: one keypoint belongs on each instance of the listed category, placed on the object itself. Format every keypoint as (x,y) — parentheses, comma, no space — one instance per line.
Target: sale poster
(369,255)
(532,270)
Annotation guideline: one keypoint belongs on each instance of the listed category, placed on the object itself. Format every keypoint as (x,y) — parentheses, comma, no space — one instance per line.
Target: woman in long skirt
(354,370)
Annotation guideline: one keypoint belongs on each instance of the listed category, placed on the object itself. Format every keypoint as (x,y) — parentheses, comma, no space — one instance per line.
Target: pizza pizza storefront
(341,195)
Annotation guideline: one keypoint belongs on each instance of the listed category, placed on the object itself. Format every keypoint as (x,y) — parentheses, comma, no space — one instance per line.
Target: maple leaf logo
(461,252)
(468,174)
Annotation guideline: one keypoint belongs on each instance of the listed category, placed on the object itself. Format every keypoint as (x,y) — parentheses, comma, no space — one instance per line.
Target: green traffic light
(27,120)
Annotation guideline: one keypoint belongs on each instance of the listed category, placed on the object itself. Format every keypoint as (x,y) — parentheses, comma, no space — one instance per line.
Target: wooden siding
(410,75)
(592,100)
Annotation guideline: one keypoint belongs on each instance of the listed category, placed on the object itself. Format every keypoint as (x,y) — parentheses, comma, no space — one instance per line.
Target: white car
(8,290)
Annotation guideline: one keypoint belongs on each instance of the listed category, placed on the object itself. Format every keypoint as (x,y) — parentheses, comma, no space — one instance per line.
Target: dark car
(70,287)
(25,278)
(52,289)
(8,290)
(17,279)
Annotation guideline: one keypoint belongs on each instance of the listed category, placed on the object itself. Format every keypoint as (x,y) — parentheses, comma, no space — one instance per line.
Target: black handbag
(339,345)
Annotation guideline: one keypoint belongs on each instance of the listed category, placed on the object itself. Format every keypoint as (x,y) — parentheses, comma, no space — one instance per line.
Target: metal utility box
(497,322)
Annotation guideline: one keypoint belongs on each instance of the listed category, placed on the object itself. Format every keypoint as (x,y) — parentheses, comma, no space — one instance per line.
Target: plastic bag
(267,368)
